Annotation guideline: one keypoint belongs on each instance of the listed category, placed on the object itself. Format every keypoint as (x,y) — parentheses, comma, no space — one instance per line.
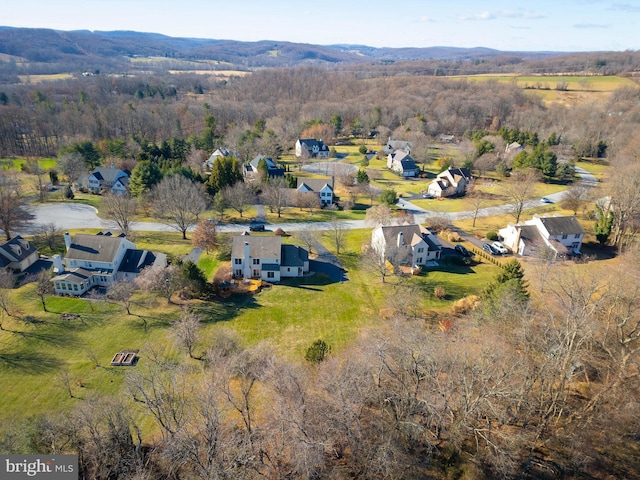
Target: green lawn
(37,348)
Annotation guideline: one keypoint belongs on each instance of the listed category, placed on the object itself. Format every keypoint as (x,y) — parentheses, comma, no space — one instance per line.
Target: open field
(35,79)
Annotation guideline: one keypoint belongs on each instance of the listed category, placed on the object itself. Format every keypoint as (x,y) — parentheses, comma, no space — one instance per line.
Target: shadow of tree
(29,362)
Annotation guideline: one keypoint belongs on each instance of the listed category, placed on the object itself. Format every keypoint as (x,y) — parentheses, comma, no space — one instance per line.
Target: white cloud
(479,16)
(590,25)
(425,19)
(524,14)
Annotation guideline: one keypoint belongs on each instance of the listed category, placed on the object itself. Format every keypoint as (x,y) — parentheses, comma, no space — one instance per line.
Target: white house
(109,179)
(312,148)
(17,254)
(451,182)
(563,235)
(98,260)
(400,161)
(322,186)
(219,153)
(406,244)
(267,259)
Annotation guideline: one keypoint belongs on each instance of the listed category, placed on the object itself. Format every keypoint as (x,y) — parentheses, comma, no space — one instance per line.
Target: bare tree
(277,194)
(44,286)
(179,202)
(338,234)
(34,167)
(308,237)
(120,209)
(519,189)
(14,211)
(121,293)
(376,263)
(48,235)
(185,331)
(72,165)
(478,201)
(370,191)
(378,215)
(7,305)
(574,198)
(204,236)
(164,280)
(308,200)
(238,196)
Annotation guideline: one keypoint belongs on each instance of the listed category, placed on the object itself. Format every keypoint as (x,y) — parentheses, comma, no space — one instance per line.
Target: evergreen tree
(603,225)
(143,177)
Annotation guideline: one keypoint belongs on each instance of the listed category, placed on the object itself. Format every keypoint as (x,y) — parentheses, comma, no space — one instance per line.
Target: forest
(535,378)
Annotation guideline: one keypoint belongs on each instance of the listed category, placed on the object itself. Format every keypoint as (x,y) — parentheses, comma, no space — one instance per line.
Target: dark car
(256,227)
(487,247)
(462,251)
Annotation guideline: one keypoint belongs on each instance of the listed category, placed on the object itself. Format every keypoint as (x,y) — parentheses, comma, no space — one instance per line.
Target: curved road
(68,216)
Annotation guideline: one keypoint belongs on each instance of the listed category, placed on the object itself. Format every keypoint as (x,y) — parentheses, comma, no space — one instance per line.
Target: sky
(509,25)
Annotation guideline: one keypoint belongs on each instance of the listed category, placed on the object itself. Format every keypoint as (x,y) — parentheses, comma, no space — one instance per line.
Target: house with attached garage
(401,162)
(322,186)
(561,235)
(412,245)
(109,179)
(251,169)
(219,153)
(451,182)
(311,148)
(266,258)
(99,260)
(17,254)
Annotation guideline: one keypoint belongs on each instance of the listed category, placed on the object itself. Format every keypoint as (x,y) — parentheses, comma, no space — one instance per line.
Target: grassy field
(39,349)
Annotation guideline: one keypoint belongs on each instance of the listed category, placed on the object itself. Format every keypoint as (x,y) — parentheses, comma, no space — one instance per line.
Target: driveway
(327,263)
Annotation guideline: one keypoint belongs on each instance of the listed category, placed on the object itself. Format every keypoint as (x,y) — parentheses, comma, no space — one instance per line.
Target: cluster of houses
(101,259)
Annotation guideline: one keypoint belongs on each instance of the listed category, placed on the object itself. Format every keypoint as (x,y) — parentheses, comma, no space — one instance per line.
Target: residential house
(17,254)
(393,145)
(562,235)
(219,153)
(513,148)
(411,245)
(322,186)
(451,182)
(99,260)
(311,148)
(446,138)
(251,169)
(266,258)
(109,179)
(401,162)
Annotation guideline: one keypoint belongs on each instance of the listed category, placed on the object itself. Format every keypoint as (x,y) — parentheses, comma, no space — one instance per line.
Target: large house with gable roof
(323,187)
(17,254)
(451,182)
(412,245)
(562,235)
(109,179)
(311,148)
(401,162)
(99,260)
(266,258)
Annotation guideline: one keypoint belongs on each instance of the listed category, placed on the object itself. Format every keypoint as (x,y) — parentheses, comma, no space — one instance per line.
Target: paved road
(68,216)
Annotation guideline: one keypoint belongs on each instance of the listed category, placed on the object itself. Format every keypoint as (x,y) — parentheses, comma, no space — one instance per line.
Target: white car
(502,250)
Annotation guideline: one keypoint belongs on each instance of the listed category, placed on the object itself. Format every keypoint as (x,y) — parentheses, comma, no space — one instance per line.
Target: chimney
(57,264)
(67,240)
(400,239)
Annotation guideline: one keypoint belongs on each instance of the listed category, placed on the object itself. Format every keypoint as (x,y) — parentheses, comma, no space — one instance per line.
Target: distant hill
(50,46)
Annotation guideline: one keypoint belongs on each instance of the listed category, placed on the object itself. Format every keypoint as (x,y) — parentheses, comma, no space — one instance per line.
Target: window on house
(256,261)
(256,273)
(238,261)
(75,287)
(419,260)
(238,272)
(577,235)
(271,275)
(564,237)
(420,250)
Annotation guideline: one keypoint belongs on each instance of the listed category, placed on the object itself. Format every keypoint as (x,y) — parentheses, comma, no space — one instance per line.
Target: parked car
(502,250)
(256,226)
(489,249)
(427,195)
(545,200)
(462,251)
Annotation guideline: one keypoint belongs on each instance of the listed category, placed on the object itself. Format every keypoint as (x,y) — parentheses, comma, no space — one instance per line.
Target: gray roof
(259,247)
(393,145)
(391,233)
(311,142)
(531,235)
(562,225)
(270,163)
(294,256)
(94,248)
(16,250)
(316,184)
(108,175)
(75,275)
(136,260)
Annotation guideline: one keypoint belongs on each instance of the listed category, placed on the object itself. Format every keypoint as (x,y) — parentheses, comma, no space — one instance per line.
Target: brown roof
(95,248)
(259,247)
